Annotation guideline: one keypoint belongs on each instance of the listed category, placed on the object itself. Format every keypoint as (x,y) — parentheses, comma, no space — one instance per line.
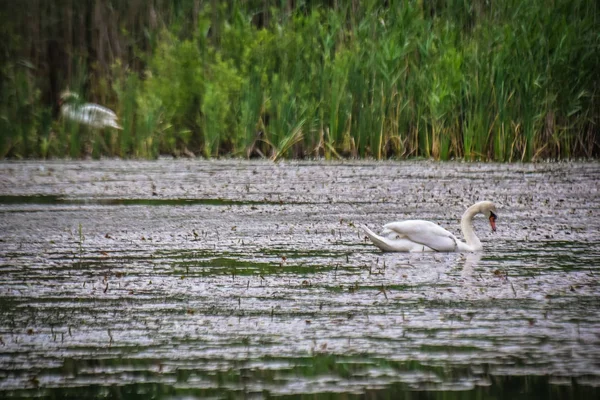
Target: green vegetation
(505,81)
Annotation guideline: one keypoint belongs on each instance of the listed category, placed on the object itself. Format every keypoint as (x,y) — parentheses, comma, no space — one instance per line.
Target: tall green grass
(505,81)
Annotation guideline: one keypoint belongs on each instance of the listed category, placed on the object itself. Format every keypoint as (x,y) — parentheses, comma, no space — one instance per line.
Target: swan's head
(488,209)
(67,97)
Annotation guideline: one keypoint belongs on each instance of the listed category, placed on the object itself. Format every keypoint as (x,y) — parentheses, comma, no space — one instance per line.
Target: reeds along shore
(477,80)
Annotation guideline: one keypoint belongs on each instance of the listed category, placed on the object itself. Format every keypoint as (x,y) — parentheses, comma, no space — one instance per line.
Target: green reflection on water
(253,381)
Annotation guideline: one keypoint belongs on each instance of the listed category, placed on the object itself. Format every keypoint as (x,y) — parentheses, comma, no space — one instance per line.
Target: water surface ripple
(225,278)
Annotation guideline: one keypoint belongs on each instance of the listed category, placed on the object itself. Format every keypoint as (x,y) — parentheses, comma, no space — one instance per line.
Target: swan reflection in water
(470,262)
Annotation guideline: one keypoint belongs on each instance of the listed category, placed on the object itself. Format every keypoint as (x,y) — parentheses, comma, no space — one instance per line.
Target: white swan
(420,236)
(90,114)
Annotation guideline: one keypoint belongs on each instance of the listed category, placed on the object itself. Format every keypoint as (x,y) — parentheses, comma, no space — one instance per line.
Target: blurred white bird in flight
(90,114)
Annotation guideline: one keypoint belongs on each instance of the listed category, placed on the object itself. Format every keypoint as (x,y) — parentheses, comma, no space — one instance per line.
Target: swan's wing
(96,111)
(98,116)
(388,233)
(390,242)
(425,233)
(92,114)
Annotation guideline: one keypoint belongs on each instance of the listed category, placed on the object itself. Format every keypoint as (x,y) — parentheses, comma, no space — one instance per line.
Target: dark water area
(183,279)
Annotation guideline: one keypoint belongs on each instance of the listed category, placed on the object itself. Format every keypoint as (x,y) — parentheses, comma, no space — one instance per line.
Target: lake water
(249,279)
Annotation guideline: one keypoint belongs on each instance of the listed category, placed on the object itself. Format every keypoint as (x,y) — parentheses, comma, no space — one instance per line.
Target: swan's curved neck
(466,225)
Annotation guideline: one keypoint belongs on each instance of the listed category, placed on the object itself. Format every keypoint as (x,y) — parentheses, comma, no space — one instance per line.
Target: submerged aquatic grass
(106,288)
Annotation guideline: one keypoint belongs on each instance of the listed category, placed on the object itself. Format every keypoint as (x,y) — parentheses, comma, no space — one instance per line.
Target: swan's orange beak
(493,222)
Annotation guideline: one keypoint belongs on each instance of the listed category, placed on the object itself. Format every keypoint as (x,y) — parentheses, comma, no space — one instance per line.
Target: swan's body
(422,236)
(90,114)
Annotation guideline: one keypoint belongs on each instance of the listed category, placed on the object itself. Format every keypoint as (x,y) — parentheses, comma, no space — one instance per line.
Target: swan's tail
(113,123)
(383,243)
